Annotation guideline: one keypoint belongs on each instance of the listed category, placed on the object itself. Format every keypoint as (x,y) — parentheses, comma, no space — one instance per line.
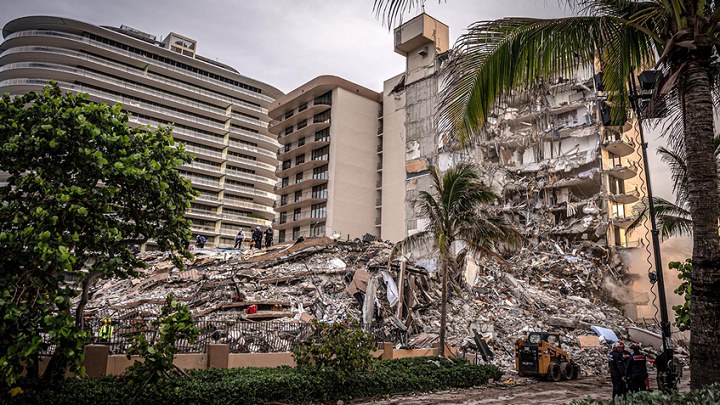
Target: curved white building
(221,115)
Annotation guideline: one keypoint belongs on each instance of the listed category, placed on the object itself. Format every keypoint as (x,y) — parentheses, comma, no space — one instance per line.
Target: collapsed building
(264,301)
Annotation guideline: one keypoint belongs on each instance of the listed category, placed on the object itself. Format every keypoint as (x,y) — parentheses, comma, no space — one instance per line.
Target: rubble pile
(551,287)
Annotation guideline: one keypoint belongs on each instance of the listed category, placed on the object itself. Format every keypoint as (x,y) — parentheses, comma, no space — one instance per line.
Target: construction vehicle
(540,356)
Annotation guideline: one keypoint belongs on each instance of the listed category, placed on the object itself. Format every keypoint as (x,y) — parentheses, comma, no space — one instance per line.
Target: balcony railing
(380,130)
(289,114)
(378,220)
(207,213)
(202,180)
(250,162)
(144,59)
(234,202)
(140,73)
(203,228)
(379,166)
(207,197)
(249,190)
(380,148)
(302,142)
(247,219)
(378,202)
(378,184)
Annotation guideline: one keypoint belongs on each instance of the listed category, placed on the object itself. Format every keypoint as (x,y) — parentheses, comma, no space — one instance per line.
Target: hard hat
(620,343)
(616,345)
(636,346)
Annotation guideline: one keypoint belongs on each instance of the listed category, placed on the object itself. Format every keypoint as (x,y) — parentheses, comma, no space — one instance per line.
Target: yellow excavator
(540,356)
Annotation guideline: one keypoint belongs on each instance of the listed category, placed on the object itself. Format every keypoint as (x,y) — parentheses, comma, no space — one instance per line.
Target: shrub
(263,385)
(705,396)
(175,323)
(340,346)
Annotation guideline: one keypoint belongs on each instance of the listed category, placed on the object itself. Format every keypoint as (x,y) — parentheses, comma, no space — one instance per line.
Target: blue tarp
(605,334)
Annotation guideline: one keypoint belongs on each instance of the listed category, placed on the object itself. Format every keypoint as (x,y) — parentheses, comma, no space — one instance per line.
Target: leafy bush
(174,323)
(682,312)
(705,396)
(263,385)
(340,346)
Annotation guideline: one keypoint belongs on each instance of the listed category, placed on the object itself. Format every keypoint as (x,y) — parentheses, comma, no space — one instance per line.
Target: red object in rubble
(237,299)
(251,309)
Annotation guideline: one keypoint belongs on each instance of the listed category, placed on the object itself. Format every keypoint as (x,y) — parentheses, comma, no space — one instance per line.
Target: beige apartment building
(329,160)
(221,115)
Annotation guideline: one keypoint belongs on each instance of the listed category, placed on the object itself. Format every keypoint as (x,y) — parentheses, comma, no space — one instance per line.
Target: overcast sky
(288,42)
(282,42)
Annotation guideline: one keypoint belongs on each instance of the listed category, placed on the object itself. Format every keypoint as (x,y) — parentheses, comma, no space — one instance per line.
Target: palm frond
(392,10)
(412,242)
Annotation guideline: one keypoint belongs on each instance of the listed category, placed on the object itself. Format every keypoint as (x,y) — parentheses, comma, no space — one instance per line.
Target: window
(299,160)
(288,131)
(301,142)
(283,217)
(283,200)
(297,214)
(287,148)
(303,107)
(296,233)
(302,124)
(323,117)
(323,136)
(319,210)
(317,230)
(298,196)
(618,210)
(286,164)
(298,177)
(617,186)
(281,236)
(320,173)
(325,99)
(398,37)
(321,154)
(319,191)
(289,114)
(615,160)
(285,182)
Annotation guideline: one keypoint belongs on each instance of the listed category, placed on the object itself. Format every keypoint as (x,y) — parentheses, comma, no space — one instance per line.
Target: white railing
(144,59)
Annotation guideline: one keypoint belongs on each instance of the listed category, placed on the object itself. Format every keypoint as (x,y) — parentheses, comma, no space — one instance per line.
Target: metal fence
(242,337)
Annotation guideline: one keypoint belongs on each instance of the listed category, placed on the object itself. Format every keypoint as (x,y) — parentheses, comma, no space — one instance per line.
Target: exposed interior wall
(393,162)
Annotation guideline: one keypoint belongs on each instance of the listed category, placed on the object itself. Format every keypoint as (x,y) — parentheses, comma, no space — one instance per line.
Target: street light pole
(670,376)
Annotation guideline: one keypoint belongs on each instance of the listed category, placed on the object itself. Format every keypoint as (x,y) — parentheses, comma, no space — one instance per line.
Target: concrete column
(218,356)
(96,360)
(387,351)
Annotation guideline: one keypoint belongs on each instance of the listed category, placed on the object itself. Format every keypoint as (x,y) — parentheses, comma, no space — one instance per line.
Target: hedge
(262,385)
(704,396)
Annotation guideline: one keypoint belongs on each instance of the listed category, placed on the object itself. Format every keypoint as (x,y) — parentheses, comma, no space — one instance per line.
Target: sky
(284,43)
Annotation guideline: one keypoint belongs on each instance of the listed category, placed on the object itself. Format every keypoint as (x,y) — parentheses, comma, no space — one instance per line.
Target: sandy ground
(535,393)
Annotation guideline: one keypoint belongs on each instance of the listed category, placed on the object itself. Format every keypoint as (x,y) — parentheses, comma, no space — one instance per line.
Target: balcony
(380,148)
(379,166)
(191,212)
(378,202)
(623,172)
(302,146)
(378,184)
(237,203)
(380,113)
(307,164)
(380,130)
(253,164)
(201,181)
(204,229)
(143,59)
(307,198)
(207,198)
(254,136)
(378,221)
(621,221)
(618,144)
(309,109)
(244,219)
(186,133)
(126,70)
(625,198)
(202,167)
(304,218)
(251,191)
(309,180)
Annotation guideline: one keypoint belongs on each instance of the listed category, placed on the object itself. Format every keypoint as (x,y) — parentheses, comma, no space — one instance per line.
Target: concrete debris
(536,289)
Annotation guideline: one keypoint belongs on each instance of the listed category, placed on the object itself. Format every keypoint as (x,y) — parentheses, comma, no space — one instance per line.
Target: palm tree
(455,214)
(673,219)
(680,38)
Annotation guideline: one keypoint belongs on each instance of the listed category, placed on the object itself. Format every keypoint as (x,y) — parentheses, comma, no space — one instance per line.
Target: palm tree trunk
(443,306)
(703,201)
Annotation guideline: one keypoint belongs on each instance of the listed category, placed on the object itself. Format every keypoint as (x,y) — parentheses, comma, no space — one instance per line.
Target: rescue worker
(661,365)
(106,330)
(268,237)
(239,239)
(618,366)
(257,236)
(636,374)
(135,250)
(200,241)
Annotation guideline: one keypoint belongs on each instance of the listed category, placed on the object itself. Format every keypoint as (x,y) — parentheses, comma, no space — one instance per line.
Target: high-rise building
(329,130)
(221,115)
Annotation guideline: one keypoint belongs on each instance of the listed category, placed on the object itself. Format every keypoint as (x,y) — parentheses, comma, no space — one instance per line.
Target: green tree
(454,213)
(680,38)
(682,312)
(341,346)
(174,324)
(83,188)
